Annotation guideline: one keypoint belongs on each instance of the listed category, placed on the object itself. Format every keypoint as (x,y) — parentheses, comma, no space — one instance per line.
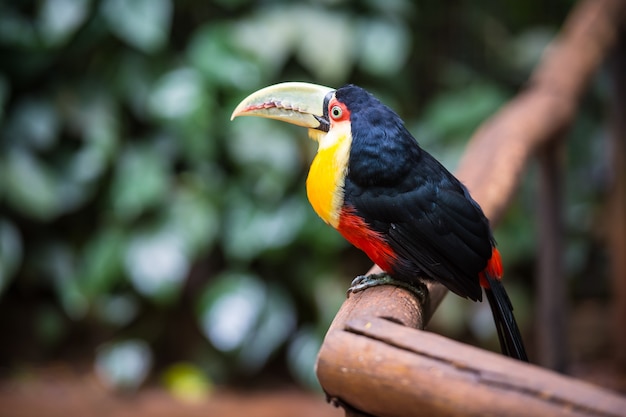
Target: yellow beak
(301,104)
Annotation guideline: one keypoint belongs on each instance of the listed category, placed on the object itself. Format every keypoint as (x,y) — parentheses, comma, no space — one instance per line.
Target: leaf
(384,46)
(194,218)
(144,24)
(270,170)
(157,264)
(50,326)
(34,122)
(93,115)
(212,53)
(231,292)
(140,181)
(16,30)
(29,185)
(5,89)
(134,79)
(59,19)
(526,50)
(101,261)
(177,94)
(457,113)
(279,151)
(123,365)
(276,322)
(328,49)
(57,260)
(117,310)
(264,321)
(269,36)
(250,230)
(302,355)
(11,248)
(86,165)
(323,41)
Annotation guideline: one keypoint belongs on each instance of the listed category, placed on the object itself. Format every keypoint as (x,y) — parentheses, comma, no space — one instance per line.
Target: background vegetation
(144,234)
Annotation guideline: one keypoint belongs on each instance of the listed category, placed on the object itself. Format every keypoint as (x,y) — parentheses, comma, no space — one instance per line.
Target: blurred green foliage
(137,219)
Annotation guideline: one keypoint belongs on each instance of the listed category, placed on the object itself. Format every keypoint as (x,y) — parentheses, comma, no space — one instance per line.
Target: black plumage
(423,212)
(426,215)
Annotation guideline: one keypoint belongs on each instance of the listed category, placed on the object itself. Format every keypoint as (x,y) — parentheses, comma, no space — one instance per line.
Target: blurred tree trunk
(617,199)
(551,283)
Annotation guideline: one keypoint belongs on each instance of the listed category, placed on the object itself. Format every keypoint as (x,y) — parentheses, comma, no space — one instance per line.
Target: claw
(363,282)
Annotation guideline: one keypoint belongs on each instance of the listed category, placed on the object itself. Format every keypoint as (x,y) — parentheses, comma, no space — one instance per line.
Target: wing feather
(431,223)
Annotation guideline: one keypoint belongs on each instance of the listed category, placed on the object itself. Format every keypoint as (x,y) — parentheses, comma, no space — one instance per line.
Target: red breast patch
(357,232)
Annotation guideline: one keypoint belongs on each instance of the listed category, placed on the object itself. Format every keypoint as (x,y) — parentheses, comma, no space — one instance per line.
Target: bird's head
(374,134)
(331,117)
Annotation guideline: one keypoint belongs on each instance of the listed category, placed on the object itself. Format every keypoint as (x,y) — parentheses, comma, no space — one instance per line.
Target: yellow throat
(326,179)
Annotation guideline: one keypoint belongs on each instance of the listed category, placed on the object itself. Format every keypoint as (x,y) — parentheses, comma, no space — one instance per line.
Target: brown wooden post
(551,320)
(372,361)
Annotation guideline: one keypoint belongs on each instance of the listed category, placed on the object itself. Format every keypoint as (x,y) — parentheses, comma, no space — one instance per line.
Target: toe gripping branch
(363,282)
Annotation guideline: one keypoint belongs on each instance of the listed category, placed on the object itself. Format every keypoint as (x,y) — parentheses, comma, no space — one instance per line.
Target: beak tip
(237,112)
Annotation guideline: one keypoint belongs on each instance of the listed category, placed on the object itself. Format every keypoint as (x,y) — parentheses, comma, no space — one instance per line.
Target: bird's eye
(336,112)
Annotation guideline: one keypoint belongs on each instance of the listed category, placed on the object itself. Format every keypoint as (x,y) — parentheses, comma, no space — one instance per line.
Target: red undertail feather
(509,334)
(493,268)
(357,232)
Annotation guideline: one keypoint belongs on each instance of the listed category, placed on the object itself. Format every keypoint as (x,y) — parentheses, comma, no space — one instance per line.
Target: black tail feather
(508,333)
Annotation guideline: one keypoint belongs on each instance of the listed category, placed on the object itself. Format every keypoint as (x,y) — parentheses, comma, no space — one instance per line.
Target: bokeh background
(147,239)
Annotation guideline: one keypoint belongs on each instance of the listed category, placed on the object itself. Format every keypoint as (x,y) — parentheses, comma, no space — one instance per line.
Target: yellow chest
(325,183)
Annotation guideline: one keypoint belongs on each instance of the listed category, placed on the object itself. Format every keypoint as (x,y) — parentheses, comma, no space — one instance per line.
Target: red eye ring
(337,111)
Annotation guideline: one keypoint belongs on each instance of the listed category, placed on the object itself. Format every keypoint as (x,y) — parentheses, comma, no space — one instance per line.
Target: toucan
(390,198)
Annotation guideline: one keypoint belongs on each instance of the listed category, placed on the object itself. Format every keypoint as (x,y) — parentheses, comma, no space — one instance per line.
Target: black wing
(430,221)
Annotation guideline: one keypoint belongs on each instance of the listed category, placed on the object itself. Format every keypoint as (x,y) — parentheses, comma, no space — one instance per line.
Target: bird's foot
(363,282)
